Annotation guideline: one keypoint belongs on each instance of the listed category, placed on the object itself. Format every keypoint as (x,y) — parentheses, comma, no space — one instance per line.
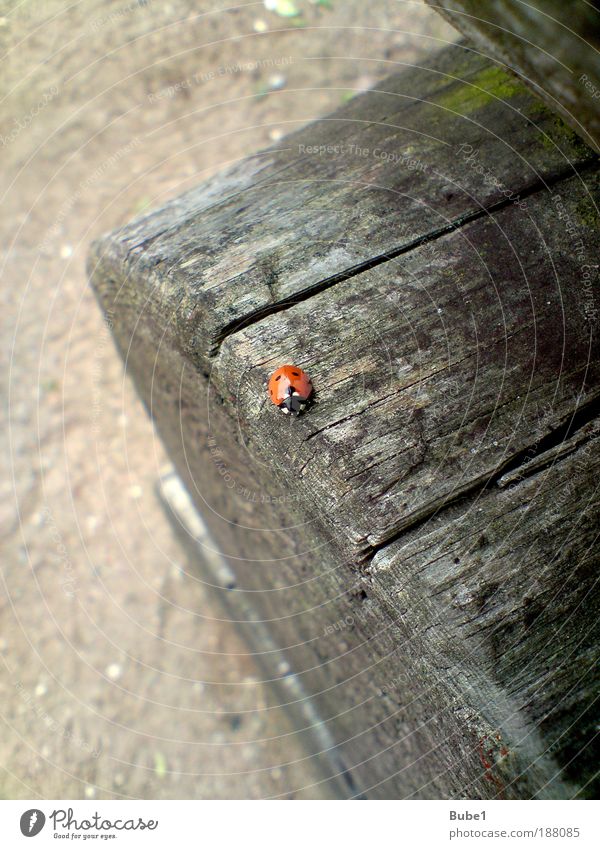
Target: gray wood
(504,596)
(553,45)
(424,364)
(450,327)
(238,245)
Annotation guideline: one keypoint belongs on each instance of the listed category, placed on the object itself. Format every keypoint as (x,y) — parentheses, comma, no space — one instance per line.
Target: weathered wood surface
(425,363)
(553,45)
(238,245)
(503,592)
(447,314)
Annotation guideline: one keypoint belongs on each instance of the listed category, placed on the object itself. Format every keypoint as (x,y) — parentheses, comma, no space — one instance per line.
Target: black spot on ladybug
(278,377)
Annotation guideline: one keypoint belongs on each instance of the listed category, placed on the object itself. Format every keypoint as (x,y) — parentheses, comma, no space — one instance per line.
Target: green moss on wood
(487,86)
(557,133)
(588,214)
(493,84)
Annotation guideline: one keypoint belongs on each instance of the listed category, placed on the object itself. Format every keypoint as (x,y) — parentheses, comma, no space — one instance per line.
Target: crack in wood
(254,317)
(577,421)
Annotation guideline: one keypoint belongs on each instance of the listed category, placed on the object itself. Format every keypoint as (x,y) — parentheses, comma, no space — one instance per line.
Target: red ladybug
(290,388)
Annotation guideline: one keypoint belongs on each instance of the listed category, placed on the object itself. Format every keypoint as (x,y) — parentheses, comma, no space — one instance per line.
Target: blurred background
(119,676)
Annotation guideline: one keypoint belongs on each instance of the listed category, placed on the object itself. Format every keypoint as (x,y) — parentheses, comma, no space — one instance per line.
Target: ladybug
(290,388)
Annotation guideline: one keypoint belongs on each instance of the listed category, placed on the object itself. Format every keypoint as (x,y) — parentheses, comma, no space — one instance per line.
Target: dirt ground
(119,678)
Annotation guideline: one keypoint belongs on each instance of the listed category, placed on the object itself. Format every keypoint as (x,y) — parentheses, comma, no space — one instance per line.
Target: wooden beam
(443,299)
(552,45)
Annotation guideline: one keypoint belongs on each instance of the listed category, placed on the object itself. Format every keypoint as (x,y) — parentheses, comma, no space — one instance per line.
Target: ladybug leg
(293,403)
(297,403)
(288,403)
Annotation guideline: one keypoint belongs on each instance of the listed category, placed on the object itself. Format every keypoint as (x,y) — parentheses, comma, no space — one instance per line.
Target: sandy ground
(119,677)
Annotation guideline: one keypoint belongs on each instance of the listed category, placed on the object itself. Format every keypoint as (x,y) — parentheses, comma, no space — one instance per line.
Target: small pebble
(276,81)
(275,134)
(260,25)
(114,671)
(90,792)
(135,491)
(40,690)
(66,251)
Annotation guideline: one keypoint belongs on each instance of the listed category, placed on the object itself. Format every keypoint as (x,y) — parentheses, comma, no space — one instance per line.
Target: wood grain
(433,371)
(364,184)
(444,303)
(504,596)
(562,63)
